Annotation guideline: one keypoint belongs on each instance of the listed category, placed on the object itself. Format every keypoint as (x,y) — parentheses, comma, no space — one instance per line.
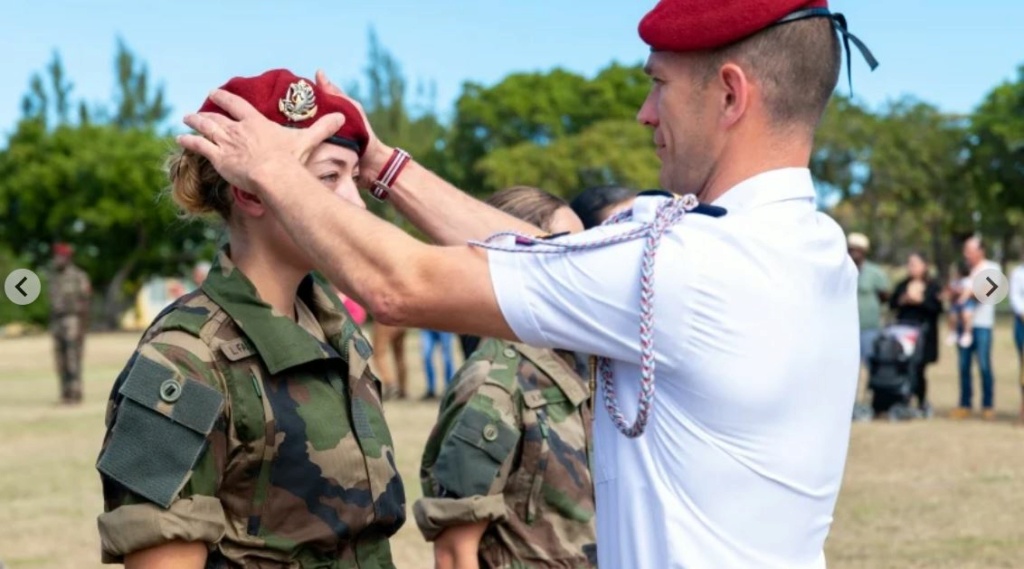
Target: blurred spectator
(1017,303)
(199,273)
(595,205)
(432,339)
(872,291)
(917,300)
(981,344)
(961,308)
(389,359)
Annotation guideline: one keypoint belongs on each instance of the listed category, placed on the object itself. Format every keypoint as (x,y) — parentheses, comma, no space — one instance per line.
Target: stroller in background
(897,353)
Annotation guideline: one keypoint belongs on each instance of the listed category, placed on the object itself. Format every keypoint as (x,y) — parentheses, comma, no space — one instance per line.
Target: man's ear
(248,202)
(735,93)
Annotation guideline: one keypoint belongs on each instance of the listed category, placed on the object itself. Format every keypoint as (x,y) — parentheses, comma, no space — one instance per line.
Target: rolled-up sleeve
(144,455)
(135,527)
(434,515)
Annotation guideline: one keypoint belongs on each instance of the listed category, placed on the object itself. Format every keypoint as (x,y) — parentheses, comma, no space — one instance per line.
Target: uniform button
(510,353)
(490,433)
(170,391)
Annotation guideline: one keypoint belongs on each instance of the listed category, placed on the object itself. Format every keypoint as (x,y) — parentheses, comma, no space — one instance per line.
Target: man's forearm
(399,279)
(444,213)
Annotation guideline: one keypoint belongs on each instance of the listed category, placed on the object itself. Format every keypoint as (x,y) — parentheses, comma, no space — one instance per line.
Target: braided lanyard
(668,214)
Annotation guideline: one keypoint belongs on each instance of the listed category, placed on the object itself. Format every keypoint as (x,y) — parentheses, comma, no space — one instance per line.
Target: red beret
(693,25)
(62,249)
(290,100)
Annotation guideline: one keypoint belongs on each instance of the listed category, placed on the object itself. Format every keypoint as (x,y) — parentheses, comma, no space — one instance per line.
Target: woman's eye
(329,178)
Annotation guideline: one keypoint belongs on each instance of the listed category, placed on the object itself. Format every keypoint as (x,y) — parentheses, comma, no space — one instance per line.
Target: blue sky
(942,51)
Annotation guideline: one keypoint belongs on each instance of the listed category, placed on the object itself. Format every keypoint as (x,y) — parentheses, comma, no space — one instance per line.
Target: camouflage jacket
(238,427)
(512,446)
(69,292)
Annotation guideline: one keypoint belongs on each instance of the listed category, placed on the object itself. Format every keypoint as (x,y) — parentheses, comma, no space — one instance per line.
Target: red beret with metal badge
(294,101)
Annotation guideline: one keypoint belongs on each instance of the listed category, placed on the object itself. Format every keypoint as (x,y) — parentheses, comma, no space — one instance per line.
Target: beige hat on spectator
(858,241)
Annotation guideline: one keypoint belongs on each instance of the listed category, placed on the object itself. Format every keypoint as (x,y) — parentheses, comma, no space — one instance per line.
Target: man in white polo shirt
(744,307)
(981,341)
(1017,304)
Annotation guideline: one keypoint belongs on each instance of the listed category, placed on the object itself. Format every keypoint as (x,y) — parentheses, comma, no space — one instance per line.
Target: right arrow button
(990,286)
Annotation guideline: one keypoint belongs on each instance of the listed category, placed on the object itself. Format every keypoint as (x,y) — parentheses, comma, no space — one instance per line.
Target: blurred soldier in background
(70,292)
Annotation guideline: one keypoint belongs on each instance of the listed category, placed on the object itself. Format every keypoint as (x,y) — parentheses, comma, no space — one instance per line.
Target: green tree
(897,175)
(841,153)
(996,158)
(609,152)
(918,166)
(541,109)
(94,183)
(401,121)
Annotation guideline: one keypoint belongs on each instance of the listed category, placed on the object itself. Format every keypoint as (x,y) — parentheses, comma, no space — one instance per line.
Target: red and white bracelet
(392,168)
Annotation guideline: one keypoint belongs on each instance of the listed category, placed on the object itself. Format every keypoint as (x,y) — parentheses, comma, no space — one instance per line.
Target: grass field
(936,494)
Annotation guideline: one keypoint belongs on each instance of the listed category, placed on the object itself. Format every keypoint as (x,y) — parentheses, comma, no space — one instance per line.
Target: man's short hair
(796,64)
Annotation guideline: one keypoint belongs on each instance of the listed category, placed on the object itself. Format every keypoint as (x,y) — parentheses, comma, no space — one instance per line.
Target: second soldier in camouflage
(508,461)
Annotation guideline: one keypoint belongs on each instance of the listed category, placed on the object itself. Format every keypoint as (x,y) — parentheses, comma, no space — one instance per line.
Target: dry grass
(917,495)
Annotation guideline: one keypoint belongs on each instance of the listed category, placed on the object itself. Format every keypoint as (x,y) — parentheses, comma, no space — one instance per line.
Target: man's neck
(753,156)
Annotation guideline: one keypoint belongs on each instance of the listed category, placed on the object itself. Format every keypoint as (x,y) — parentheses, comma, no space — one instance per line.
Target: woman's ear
(248,202)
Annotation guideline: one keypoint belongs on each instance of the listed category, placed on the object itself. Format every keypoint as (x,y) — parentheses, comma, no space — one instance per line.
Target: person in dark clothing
(595,205)
(917,300)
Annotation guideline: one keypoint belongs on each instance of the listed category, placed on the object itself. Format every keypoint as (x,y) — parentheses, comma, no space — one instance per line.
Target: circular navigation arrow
(22,286)
(990,286)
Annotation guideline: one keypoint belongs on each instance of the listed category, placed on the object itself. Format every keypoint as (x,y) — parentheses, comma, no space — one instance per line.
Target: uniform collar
(280,342)
(559,368)
(768,187)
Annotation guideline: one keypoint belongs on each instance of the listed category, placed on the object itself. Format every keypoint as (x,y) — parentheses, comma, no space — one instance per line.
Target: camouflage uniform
(512,447)
(69,310)
(263,438)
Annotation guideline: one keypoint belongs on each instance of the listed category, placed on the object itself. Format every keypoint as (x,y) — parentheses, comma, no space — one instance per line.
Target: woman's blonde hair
(532,205)
(196,187)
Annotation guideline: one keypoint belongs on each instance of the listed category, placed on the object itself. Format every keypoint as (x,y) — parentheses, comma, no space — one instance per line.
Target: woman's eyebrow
(338,161)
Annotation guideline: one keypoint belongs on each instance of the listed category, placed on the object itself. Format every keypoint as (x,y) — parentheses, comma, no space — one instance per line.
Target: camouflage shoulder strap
(504,358)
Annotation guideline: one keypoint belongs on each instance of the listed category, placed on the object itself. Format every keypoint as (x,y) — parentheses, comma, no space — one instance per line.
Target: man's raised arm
(440,210)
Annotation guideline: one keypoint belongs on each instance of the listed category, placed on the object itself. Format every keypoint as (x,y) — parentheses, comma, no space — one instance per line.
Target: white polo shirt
(1017,290)
(756,339)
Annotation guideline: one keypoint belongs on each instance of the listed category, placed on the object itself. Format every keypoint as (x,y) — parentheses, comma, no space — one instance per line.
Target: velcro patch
(472,454)
(155,445)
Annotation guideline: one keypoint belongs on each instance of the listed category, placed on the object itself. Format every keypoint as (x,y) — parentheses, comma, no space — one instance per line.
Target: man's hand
(377,153)
(240,148)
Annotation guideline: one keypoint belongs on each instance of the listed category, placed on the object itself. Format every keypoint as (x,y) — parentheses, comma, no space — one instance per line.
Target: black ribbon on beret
(839,24)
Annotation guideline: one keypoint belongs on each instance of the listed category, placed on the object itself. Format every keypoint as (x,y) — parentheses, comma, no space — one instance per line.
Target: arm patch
(472,454)
(155,443)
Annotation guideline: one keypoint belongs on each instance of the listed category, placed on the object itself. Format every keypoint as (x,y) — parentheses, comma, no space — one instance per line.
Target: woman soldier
(505,472)
(246,430)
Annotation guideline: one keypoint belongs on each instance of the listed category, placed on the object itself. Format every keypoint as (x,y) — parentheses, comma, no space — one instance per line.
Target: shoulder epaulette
(505,357)
(179,316)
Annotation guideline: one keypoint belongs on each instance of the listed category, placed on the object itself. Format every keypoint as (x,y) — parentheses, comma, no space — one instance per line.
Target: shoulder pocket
(160,430)
(473,452)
